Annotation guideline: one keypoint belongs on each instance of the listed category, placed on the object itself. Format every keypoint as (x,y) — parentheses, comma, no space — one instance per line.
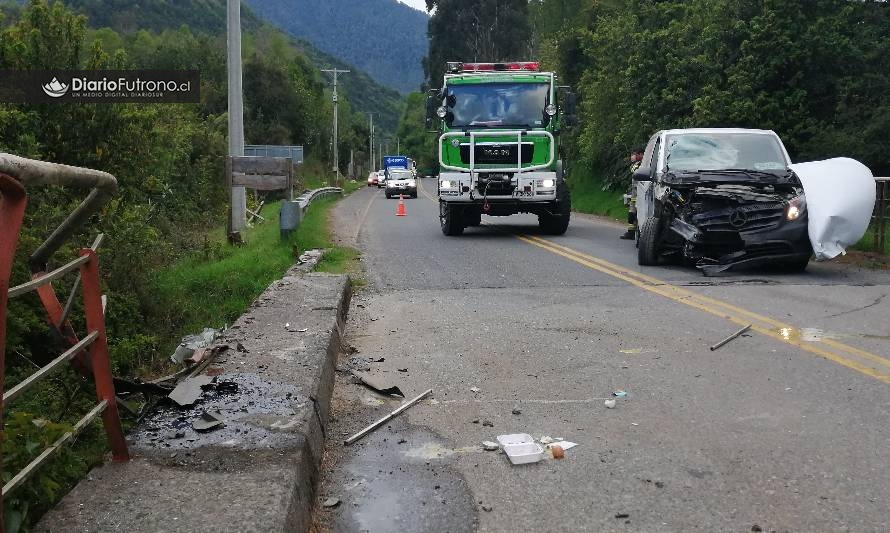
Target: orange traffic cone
(400,211)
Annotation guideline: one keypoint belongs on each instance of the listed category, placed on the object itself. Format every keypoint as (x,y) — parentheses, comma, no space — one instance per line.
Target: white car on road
(401,181)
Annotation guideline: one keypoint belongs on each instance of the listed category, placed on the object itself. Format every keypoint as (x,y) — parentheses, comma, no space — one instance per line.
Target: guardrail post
(12,210)
(95,321)
(883,198)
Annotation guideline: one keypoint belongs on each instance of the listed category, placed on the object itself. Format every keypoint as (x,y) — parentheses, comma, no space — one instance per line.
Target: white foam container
(521,448)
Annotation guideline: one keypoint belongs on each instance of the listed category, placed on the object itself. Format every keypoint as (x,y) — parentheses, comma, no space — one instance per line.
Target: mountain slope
(209,16)
(385,38)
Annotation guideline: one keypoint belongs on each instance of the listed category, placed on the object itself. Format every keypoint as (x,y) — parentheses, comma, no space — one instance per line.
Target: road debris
(189,390)
(490,446)
(386,418)
(546,439)
(620,394)
(516,411)
(378,383)
(209,420)
(191,343)
(475,389)
(622,515)
(564,444)
(610,404)
(487,423)
(331,503)
(521,448)
(734,336)
(557,452)
(487,508)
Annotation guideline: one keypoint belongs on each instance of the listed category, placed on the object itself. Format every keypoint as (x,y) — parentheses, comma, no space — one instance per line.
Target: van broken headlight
(796,207)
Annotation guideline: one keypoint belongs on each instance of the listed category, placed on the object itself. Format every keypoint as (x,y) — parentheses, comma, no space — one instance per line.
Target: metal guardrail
(881,213)
(90,354)
(308,197)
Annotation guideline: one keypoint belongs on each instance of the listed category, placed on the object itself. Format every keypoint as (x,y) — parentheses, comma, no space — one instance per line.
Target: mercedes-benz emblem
(738,218)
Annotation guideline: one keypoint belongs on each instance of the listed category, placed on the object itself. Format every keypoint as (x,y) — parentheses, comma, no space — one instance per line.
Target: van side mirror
(642,174)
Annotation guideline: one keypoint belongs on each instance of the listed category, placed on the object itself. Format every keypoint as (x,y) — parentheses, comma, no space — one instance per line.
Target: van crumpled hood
(840,196)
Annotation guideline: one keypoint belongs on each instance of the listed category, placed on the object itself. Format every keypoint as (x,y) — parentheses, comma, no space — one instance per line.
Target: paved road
(787,429)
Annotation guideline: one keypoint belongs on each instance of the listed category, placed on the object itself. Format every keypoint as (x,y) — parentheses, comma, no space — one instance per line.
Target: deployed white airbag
(840,200)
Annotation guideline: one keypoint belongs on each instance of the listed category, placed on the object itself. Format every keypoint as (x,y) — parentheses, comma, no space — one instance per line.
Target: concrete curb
(258,473)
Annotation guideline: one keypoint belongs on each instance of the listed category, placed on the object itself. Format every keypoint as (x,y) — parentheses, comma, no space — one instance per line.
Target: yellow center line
(841,354)
(761,324)
(778,326)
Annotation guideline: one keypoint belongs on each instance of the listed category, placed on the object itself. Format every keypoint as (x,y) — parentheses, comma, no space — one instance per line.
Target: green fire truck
(499,154)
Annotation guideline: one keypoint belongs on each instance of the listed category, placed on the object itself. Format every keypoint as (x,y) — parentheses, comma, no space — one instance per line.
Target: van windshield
(693,152)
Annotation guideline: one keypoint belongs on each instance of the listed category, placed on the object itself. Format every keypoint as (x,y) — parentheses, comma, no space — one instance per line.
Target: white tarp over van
(840,199)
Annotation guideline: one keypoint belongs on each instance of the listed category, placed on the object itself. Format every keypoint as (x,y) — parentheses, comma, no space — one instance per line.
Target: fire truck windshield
(499,105)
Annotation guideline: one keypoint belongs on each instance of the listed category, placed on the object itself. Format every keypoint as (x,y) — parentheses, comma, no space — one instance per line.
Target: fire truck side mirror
(571,109)
(431,105)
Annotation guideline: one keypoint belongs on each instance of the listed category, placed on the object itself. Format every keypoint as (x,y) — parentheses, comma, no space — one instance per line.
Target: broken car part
(378,383)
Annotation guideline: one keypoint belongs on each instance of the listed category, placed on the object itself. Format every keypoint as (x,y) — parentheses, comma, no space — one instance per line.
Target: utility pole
(352,163)
(371,159)
(398,146)
(236,109)
(336,71)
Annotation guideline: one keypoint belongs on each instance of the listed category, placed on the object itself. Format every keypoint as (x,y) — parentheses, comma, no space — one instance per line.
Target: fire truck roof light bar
(516,66)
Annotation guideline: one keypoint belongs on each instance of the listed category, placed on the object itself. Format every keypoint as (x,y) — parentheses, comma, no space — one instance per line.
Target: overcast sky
(416,4)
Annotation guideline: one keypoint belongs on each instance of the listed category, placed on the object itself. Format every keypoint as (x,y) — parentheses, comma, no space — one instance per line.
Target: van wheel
(647,250)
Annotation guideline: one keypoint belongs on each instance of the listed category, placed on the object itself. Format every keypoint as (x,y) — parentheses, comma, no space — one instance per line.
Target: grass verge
(212,287)
(588,196)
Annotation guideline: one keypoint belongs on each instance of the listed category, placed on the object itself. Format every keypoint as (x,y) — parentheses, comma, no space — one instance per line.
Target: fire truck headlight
(550,110)
(441,112)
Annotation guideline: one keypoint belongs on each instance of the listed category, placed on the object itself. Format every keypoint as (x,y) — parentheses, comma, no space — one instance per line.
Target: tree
(476,30)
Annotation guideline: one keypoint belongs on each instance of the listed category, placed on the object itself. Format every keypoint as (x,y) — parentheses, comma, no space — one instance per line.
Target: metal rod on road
(386,418)
(735,335)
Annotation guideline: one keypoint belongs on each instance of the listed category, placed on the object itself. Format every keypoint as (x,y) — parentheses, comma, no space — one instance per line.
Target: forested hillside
(815,71)
(384,38)
(128,16)
(209,16)
(477,30)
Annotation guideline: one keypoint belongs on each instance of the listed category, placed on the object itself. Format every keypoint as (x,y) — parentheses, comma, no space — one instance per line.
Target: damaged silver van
(720,198)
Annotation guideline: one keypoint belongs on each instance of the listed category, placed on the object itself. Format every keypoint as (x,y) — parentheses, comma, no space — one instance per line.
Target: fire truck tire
(451,219)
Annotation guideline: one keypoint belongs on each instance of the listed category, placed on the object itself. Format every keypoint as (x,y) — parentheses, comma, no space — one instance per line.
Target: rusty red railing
(88,355)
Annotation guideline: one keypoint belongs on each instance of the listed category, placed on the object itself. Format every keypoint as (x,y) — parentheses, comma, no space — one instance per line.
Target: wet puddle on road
(819,335)
(401,479)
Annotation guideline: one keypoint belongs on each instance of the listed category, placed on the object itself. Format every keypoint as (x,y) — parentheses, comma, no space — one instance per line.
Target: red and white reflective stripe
(523,66)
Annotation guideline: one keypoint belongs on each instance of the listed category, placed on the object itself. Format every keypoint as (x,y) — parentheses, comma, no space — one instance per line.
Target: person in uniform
(630,199)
